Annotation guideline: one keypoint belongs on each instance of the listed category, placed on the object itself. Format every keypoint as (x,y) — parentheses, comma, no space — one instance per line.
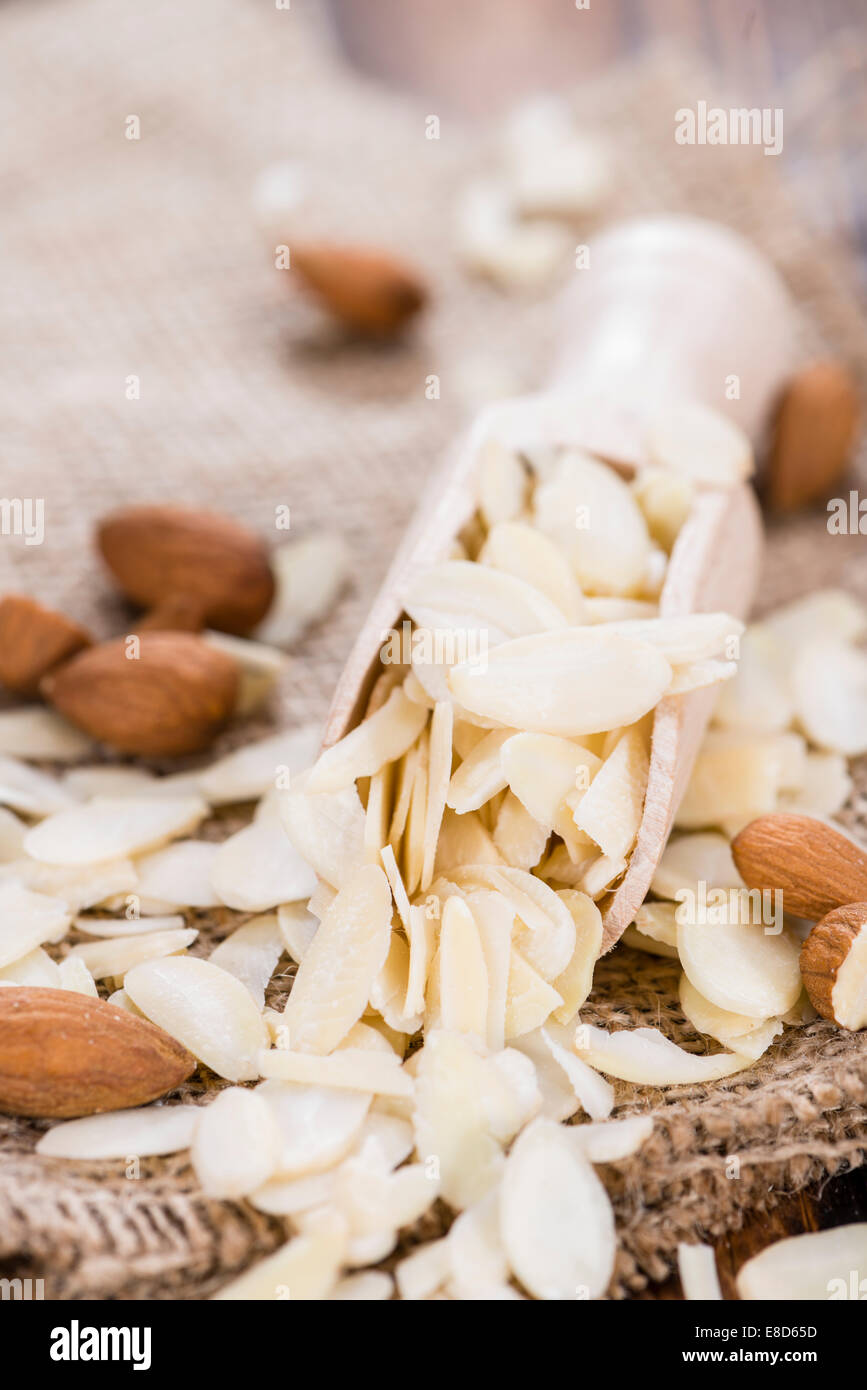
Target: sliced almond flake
(756,1043)
(815,1266)
(327,830)
(251,771)
(658,922)
(478,1260)
(698,675)
(205,1008)
(740,966)
(105,779)
(822,614)
(371,1286)
(665,498)
(309,575)
(829,686)
(610,810)
(439,776)
(639,942)
(30,791)
(559,1101)
(33,732)
(494,916)
(147,1132)
(396,884)
(596,1096)
(293,1196)
(236,1145)
(111,959)
(511,1095)
(335,977)
(304,1269)
(480,775)
(27,920)
(612,1141)
(571,682)
(529,555)
(466,737)
(576,981)
(375,1201)
(449,1121)
(502,482)
(179,874)
(79,888)
(258,867)
(545,931)
(251,953)
(386,735)
(393,674)
(464,840)
(421,931)
(735,776)
(370,1250)
(364,1036)
(75,976)
(698,1273)
(36,968)
(647,1058)
(413,844)
(432,1004)
(592,514)
(396,1041)
(317,1125)
(121,1000)
(389,1137)
(556,1220)
(320,900)
(688,638)
(12,832)
(520,838)
(459,596)
(405,780)
(127,926)
(463,972)
(377,817)
(690,858)
(425,1270)
(701,444)
(107,828)
(530,1000)
(542,770)
(709,1018)
(350,1069)
(560,870)
(758,699)
(260,665)
(388,992)
(415,691)
(614,610)
(825,786)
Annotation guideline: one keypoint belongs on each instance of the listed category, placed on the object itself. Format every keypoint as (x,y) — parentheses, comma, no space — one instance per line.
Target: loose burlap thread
(140,259)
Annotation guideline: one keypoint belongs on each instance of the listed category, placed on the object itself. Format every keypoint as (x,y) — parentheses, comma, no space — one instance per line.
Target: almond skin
(173,698)
(33,640)
(162,553)
(178,614)
(833,970)
(370,291)
(817,868)
(814,435)
(64,1054)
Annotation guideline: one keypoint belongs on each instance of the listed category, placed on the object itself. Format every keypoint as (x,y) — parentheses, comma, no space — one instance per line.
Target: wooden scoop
(675,309)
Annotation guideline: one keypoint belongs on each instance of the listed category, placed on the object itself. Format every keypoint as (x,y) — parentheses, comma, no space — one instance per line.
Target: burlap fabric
(140,258)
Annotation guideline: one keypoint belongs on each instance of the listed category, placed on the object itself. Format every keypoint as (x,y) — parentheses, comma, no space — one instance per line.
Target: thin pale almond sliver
(317,1125)
(179,874)
(335,977)
(396,884)
(480,775)
(685,639)
(449,1122)
(530,1000)
(439,776)
(571,682)
(252,770)
(520,838)
(591,513)
(646,1057)
(464,840)
(378,813)
(502,482)
(575,982)
(259,867)
(422,936)
(542,770)
(412,859)
(463,972)
(74,975)
(595,1094)
(610,810)
(298,926)
(35,968)
(327,829)
(462,597)
(525,552)
(389,990)
(113,958)
(304,1269)
(146,1131)
(386,735)
(545,931)
(34,732)
(107,828)
(31,791)
(236,1144)
(608,1142)
(494,916)
(27,920)
(251,953)
(349,1069)
(697,675)
(405,780)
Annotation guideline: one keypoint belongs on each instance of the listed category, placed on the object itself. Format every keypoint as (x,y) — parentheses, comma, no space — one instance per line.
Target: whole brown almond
(33,640)
(834,965)
(817,868)
(178,614)
(369,290)
(162,695)
(64,1054)
(160,553)
(814,435)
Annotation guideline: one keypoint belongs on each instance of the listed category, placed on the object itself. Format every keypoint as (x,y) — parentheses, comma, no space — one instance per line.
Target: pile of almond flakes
(440,887)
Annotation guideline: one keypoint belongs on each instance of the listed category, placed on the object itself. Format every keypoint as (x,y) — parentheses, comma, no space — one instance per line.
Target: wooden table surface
(481,57)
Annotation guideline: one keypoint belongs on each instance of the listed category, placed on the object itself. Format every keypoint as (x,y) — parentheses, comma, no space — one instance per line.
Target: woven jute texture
(141,259)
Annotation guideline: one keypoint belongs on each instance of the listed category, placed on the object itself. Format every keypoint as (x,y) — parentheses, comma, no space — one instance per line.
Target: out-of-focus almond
(172,698)
(33,640)
(65,1054)
(816,867)
(814,433)
(158,553)
(369,290)
(176,613)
